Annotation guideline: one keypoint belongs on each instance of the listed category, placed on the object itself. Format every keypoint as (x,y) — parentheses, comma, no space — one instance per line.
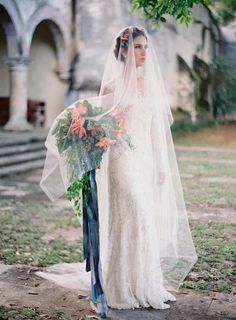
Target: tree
(224,84)
(223,10)
(154,10)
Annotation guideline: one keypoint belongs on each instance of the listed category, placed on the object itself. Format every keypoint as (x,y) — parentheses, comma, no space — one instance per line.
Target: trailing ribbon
(91,245)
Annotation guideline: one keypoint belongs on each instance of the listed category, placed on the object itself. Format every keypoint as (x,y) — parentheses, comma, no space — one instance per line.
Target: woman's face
(140,50)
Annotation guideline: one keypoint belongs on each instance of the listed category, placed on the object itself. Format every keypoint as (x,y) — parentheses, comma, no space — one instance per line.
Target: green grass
(207,168)
(193,154)
(216,249)
(209,194)
(22,228)
(204,194)
(28,314)
(215,241)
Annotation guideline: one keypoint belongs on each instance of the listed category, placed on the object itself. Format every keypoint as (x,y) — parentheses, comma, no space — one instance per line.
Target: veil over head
(92,132)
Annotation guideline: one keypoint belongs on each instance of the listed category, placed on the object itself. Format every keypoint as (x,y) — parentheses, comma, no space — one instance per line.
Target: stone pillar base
(18,124)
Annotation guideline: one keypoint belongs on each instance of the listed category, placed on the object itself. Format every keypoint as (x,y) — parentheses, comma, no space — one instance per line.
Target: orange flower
(105,143)
(78,111)
(75,114)
(77,127)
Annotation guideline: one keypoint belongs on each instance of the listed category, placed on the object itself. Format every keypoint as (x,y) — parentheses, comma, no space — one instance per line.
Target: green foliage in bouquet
(74,194)
(81,141)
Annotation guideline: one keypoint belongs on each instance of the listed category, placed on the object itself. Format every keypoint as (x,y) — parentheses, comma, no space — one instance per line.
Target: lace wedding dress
(132,274)
(142,245)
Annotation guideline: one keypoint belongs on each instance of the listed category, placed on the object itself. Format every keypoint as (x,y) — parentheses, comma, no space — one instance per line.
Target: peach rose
(105,143)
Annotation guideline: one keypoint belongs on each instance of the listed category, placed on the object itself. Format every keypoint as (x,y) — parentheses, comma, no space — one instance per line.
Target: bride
(145,241)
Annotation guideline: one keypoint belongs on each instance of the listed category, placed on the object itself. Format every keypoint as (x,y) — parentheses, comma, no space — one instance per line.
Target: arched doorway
(44,83)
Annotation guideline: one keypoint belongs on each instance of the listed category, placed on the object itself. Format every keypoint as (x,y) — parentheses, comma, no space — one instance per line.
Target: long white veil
(69,157)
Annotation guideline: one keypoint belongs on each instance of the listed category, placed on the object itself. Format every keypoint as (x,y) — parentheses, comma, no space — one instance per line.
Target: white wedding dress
(145,245)
(132,273)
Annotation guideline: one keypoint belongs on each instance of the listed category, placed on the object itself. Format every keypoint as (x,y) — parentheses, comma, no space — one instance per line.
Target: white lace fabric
(132,272)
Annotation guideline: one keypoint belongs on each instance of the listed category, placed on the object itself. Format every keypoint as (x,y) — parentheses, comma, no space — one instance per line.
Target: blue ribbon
(91,245)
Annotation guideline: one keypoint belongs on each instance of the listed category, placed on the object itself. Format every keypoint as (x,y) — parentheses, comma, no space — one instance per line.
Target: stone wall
(179,50)
(57,50)
(41,72)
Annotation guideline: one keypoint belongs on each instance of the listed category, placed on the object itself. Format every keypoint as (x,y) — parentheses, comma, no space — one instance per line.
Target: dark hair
(124,43)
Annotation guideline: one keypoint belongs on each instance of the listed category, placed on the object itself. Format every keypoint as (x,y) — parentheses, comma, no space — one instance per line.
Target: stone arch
(53,18)
(12,26)
(42,73)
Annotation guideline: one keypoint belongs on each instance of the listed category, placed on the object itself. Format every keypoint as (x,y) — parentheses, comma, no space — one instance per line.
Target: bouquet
(83,133)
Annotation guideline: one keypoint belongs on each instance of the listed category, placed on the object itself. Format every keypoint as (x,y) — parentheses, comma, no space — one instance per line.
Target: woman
(146,246)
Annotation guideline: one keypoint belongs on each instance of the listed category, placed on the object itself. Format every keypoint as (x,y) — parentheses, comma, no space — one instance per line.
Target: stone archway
(54,20)
(19,39)
(44,84)
(12,24)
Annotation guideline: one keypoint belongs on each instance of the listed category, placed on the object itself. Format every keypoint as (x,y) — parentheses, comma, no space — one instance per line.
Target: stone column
(18,69)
